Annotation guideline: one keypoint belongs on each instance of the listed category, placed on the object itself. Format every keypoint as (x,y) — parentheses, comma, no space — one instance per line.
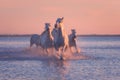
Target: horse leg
(36,45)
(56,47)
(58,52)
(52,50)
(77,50)
(47,51)
(70,49)
(31,44)
(67,47)
(61,53)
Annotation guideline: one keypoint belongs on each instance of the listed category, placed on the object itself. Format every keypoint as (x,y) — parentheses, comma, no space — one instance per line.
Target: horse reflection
(57,68)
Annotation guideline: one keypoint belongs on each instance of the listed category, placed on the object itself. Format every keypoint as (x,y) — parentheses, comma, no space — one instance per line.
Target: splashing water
(36,53)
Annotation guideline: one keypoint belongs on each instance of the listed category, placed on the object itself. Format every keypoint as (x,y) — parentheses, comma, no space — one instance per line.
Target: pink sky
(86,16)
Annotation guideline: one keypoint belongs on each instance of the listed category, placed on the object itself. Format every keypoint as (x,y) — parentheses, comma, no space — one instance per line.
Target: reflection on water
(18,62)
(58,70)
(34,70)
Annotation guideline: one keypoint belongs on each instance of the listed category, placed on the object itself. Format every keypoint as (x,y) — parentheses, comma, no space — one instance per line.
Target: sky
(86,16)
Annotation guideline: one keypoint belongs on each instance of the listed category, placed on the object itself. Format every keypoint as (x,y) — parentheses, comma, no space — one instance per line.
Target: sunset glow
(86,16)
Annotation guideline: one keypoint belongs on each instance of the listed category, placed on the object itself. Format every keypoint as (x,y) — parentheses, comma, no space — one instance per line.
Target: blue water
(103,64)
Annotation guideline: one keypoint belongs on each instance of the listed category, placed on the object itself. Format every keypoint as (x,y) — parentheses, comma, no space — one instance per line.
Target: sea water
(103,64)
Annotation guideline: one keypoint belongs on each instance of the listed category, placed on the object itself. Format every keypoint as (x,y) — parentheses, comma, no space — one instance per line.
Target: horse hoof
(62,58)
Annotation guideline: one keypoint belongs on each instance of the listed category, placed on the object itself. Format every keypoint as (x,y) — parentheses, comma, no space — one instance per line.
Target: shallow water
(18,62)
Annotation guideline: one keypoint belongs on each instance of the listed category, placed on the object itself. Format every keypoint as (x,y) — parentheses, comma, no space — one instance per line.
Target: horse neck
(48,33)
(60,31)
(73,36)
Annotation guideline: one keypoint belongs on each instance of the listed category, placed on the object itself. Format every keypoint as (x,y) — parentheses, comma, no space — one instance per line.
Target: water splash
(36,54)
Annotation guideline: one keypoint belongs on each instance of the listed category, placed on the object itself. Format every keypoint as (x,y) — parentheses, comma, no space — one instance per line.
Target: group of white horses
(56,38)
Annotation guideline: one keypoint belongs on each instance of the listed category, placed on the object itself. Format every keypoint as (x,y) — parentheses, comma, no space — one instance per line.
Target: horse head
(59,20)
(73,33)
(47,26)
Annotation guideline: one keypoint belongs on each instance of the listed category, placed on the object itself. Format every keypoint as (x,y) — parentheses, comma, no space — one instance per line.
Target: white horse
(46,39)
(72,40)
(35,39)
(61,40)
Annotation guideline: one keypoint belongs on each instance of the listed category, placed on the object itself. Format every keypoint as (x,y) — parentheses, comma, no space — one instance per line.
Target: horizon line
(14,35)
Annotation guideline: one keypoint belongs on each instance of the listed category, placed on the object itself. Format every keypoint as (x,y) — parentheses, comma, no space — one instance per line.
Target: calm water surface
(104,64)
